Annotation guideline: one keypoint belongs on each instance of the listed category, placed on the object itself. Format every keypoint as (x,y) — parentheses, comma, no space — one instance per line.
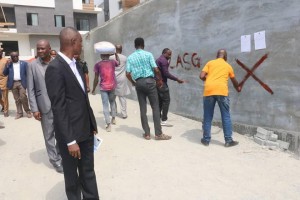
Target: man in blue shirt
(142,72)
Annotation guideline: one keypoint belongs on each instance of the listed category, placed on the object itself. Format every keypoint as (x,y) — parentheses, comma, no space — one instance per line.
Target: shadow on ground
(131,130)
(57,192)
(40,157)
(2,142)
(195,136)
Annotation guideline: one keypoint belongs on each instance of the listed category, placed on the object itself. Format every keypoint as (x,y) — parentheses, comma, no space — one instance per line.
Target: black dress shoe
(231,144)
(59,169)
(205,143)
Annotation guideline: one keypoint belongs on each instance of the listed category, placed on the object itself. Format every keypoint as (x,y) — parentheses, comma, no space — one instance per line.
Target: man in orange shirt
(215,74)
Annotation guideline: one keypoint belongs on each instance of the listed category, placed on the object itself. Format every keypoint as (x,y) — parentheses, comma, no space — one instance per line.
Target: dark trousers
(164,101)
(146,87)
(79,175)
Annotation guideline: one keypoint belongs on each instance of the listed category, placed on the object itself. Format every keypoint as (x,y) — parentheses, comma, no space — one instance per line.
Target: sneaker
(231,144)
(205,143)
(108,128)
(6,114)
(1,127)
(113,121)
(165,123)
(163,137)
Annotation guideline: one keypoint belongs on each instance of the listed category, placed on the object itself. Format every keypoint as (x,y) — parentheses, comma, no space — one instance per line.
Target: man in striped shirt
(142,72)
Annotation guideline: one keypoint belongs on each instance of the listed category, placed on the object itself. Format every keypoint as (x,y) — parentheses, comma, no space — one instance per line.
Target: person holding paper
(74,120)
(215,74)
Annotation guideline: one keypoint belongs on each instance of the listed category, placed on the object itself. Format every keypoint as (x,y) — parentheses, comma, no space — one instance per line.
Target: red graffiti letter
(195,59)
(184,55)
(179,61)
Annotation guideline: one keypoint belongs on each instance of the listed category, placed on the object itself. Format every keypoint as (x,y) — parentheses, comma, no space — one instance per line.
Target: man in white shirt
(17,82)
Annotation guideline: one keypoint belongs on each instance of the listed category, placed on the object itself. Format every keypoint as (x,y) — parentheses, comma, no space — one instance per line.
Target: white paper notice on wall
(260,40)
(245,43)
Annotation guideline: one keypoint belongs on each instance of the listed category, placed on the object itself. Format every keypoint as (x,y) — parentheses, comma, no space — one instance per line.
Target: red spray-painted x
(250,73)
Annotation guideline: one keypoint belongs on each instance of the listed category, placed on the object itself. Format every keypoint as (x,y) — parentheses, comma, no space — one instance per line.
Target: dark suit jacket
(10,72)
(73,116)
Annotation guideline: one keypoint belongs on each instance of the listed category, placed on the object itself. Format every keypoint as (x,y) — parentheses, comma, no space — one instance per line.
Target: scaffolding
(5,24)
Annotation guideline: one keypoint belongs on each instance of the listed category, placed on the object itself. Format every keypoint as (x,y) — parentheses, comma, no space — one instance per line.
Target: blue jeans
(108,99)
(209,103)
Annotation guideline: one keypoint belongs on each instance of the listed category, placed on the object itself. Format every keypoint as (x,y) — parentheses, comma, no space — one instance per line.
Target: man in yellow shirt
(215,74)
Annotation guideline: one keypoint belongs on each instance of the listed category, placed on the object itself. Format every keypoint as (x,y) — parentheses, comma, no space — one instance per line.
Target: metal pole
(106,10)
(3,14)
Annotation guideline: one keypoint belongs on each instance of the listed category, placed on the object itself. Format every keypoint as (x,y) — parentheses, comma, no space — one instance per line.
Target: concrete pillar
(106,10)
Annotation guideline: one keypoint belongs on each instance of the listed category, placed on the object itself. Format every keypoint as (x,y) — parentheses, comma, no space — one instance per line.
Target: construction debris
(269,139)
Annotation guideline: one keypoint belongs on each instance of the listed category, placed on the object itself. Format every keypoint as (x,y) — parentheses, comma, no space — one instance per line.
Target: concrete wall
(196,29)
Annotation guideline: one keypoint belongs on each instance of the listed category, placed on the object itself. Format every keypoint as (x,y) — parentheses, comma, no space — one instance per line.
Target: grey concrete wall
(196,29)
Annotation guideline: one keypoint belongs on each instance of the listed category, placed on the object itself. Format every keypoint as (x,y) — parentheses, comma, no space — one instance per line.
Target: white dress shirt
(17,74)
(72,64)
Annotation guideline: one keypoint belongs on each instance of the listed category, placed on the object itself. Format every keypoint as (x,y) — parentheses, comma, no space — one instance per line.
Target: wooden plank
(87,7)
(6,24)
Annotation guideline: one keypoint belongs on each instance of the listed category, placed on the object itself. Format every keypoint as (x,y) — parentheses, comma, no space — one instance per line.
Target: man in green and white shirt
(142,72)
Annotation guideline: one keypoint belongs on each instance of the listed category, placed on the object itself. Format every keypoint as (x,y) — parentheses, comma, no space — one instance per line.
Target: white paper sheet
(260,40)
(245,43)
(97,143)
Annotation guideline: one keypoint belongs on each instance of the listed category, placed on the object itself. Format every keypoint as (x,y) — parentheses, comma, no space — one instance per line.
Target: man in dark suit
(39,101)
(74,120)
(17,82)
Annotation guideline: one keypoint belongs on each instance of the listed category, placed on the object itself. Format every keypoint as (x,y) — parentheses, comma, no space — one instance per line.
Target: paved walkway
(131,168)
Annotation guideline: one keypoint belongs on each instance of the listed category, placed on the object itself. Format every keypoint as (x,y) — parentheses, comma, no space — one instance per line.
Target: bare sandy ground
(131,168)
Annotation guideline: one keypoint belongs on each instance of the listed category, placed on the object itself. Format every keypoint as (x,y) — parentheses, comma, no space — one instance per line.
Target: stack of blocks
(269,139)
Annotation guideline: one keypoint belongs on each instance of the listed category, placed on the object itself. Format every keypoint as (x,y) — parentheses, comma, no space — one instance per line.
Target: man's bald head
(67,35)
(119,48)
(43,42)
(222,54)
(70,41)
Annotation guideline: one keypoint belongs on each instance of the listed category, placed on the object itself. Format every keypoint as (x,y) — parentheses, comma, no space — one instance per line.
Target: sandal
(163,137)
(147,136)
